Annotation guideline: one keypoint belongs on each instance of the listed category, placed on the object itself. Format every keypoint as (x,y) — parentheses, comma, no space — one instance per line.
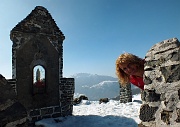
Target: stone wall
(66,93)
(161,97)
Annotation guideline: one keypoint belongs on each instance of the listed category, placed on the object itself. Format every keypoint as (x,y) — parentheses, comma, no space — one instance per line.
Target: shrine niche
(37,67)
(39,84)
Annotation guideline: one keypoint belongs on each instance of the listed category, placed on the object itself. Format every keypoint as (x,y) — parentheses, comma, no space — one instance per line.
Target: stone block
(166,116)
(147,113)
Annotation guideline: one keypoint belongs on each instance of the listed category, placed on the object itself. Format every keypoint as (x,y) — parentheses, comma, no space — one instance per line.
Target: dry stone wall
(161,97)
(125,94)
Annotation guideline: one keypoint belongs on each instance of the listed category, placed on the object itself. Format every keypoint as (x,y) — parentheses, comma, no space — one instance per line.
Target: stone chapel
(37,67)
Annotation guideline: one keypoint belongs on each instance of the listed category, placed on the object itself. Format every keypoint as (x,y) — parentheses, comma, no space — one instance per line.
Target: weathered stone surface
(166,116)
(178,115)
(147,113)
(141,125)
(161,48)
(16,114)
(39,21)
(12,113)
(150,96)
(7,93)
(161,97)
(103,100)
(125,94)
(79,99)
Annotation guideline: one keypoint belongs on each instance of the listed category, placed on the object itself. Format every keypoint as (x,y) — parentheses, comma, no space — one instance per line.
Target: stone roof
(39,21)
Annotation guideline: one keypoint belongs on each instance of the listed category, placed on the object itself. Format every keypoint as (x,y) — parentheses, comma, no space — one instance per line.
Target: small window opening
(39,84)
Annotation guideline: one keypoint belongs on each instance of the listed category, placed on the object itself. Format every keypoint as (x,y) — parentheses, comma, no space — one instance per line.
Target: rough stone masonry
(37,44)
(161,97)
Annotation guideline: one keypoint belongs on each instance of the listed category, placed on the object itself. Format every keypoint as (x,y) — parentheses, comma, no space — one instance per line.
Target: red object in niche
(39,84)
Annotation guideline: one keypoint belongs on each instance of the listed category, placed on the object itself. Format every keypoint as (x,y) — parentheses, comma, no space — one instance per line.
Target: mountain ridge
(96,86)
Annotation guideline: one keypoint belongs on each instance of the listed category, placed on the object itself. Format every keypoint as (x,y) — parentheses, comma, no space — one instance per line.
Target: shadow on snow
(88,121)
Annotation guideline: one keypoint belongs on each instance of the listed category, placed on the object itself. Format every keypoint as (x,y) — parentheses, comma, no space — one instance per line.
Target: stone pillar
(125,94)
(161,95)
(66,93)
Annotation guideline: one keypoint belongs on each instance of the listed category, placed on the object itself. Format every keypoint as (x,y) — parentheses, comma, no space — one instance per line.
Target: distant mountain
(96,86)
(84,79)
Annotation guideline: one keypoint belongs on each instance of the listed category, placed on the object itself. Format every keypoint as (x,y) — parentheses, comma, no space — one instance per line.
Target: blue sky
(96,31)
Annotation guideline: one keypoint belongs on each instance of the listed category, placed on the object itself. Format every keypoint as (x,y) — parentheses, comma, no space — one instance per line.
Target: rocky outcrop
(103,100)
(79,99)
(12,113)
(161,97)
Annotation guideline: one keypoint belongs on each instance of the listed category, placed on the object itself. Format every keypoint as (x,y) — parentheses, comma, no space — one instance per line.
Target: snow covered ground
(93,114)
